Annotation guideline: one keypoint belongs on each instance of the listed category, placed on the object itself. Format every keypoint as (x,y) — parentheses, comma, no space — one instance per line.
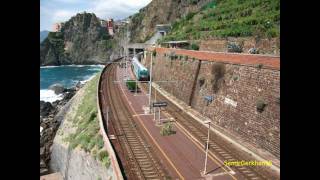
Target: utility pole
(107,117)
(207,147)
(159,111)
(126,69)
(150,83)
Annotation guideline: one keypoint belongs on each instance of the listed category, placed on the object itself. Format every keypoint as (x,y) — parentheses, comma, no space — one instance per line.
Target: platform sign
(208,98)
(159,104)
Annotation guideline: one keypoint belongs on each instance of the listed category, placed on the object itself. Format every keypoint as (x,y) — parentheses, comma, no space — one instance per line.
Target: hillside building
(57,27)
(110,27)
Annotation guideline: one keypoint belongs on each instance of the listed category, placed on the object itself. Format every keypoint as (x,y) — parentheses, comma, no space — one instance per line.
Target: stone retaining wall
(238,84)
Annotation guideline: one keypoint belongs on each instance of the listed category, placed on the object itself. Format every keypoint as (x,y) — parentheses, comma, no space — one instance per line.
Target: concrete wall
(76,164)
(107,144)
(236,88)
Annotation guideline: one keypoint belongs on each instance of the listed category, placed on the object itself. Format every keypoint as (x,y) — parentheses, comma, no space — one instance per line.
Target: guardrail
(103,128)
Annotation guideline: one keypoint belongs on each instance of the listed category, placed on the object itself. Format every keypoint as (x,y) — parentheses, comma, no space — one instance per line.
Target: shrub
(201,82)
(131,84)
(260,105)
(234,47)
(194,2)
(102,154)
(194,46)
(235,78)
(167,129)
(154,53)
(190,15)
(106,161)
(93,115)
(209,5)
(99,141)
(173,55)
(94,153)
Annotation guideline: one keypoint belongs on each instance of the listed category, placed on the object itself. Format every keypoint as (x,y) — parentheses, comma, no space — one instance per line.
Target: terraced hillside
(229,18)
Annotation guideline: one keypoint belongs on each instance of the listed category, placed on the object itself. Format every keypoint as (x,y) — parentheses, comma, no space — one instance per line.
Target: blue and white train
(141,72)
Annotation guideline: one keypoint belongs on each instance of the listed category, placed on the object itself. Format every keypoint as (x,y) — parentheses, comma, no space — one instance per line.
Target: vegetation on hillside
(87,135)
(56,41)
(229,18)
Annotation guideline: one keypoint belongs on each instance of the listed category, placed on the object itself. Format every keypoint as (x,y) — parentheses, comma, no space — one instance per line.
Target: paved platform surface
(183,157)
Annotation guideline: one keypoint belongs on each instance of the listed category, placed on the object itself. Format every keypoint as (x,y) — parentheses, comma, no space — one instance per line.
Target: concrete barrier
(107,144)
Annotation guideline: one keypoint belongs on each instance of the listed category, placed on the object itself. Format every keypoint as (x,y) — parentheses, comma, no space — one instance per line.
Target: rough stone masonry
(246,97)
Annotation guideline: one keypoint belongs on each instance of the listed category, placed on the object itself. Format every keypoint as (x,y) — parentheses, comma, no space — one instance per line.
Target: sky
(52,11)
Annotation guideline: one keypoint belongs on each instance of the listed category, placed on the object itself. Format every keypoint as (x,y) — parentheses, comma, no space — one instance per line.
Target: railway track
(217,146)
(136,155)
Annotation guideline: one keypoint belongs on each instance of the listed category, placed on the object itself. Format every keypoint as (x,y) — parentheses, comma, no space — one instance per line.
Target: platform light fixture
(207,148)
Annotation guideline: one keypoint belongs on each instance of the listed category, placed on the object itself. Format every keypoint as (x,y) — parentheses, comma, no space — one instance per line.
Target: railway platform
(183,158)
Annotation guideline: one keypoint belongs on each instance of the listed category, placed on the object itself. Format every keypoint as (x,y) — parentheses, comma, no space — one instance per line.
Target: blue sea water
(68,76)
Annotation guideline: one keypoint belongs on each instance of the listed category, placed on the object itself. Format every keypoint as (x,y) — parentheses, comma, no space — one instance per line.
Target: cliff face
(43,35)
(160,12)
(82,40)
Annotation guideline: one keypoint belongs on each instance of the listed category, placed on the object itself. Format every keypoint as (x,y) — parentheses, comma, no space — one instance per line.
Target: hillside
(160,12)
(229,18)
(209,19)
(43,35)
(82,40)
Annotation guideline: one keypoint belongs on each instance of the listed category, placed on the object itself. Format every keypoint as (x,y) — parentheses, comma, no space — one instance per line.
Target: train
(141,72)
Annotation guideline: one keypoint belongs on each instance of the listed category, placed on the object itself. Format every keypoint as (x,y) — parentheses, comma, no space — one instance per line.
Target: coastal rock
(55,103)
(57,88)
(50,124)
(68,95)
(45,108)
(82,40)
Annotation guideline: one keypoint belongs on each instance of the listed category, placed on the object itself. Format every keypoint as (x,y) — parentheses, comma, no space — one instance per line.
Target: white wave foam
(49,95)
(87,78)
(44,67)
(75,65)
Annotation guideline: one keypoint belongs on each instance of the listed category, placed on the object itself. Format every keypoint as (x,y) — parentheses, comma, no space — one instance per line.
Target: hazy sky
(52,11)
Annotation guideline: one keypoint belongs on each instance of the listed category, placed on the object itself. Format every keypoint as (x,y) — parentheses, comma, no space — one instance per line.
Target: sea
(67,75)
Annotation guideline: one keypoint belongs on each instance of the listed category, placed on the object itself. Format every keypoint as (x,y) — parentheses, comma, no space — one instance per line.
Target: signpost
(209,99)
(159,105)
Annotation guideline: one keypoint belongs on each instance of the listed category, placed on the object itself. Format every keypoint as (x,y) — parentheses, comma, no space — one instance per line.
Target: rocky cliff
(82,40)
(160,12)
(43,35)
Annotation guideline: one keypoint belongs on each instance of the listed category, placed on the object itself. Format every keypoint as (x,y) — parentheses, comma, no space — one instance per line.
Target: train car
(141,72)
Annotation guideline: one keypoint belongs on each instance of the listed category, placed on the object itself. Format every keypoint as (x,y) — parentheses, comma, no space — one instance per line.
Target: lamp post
(107,117)
(150,84)
(207,147)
